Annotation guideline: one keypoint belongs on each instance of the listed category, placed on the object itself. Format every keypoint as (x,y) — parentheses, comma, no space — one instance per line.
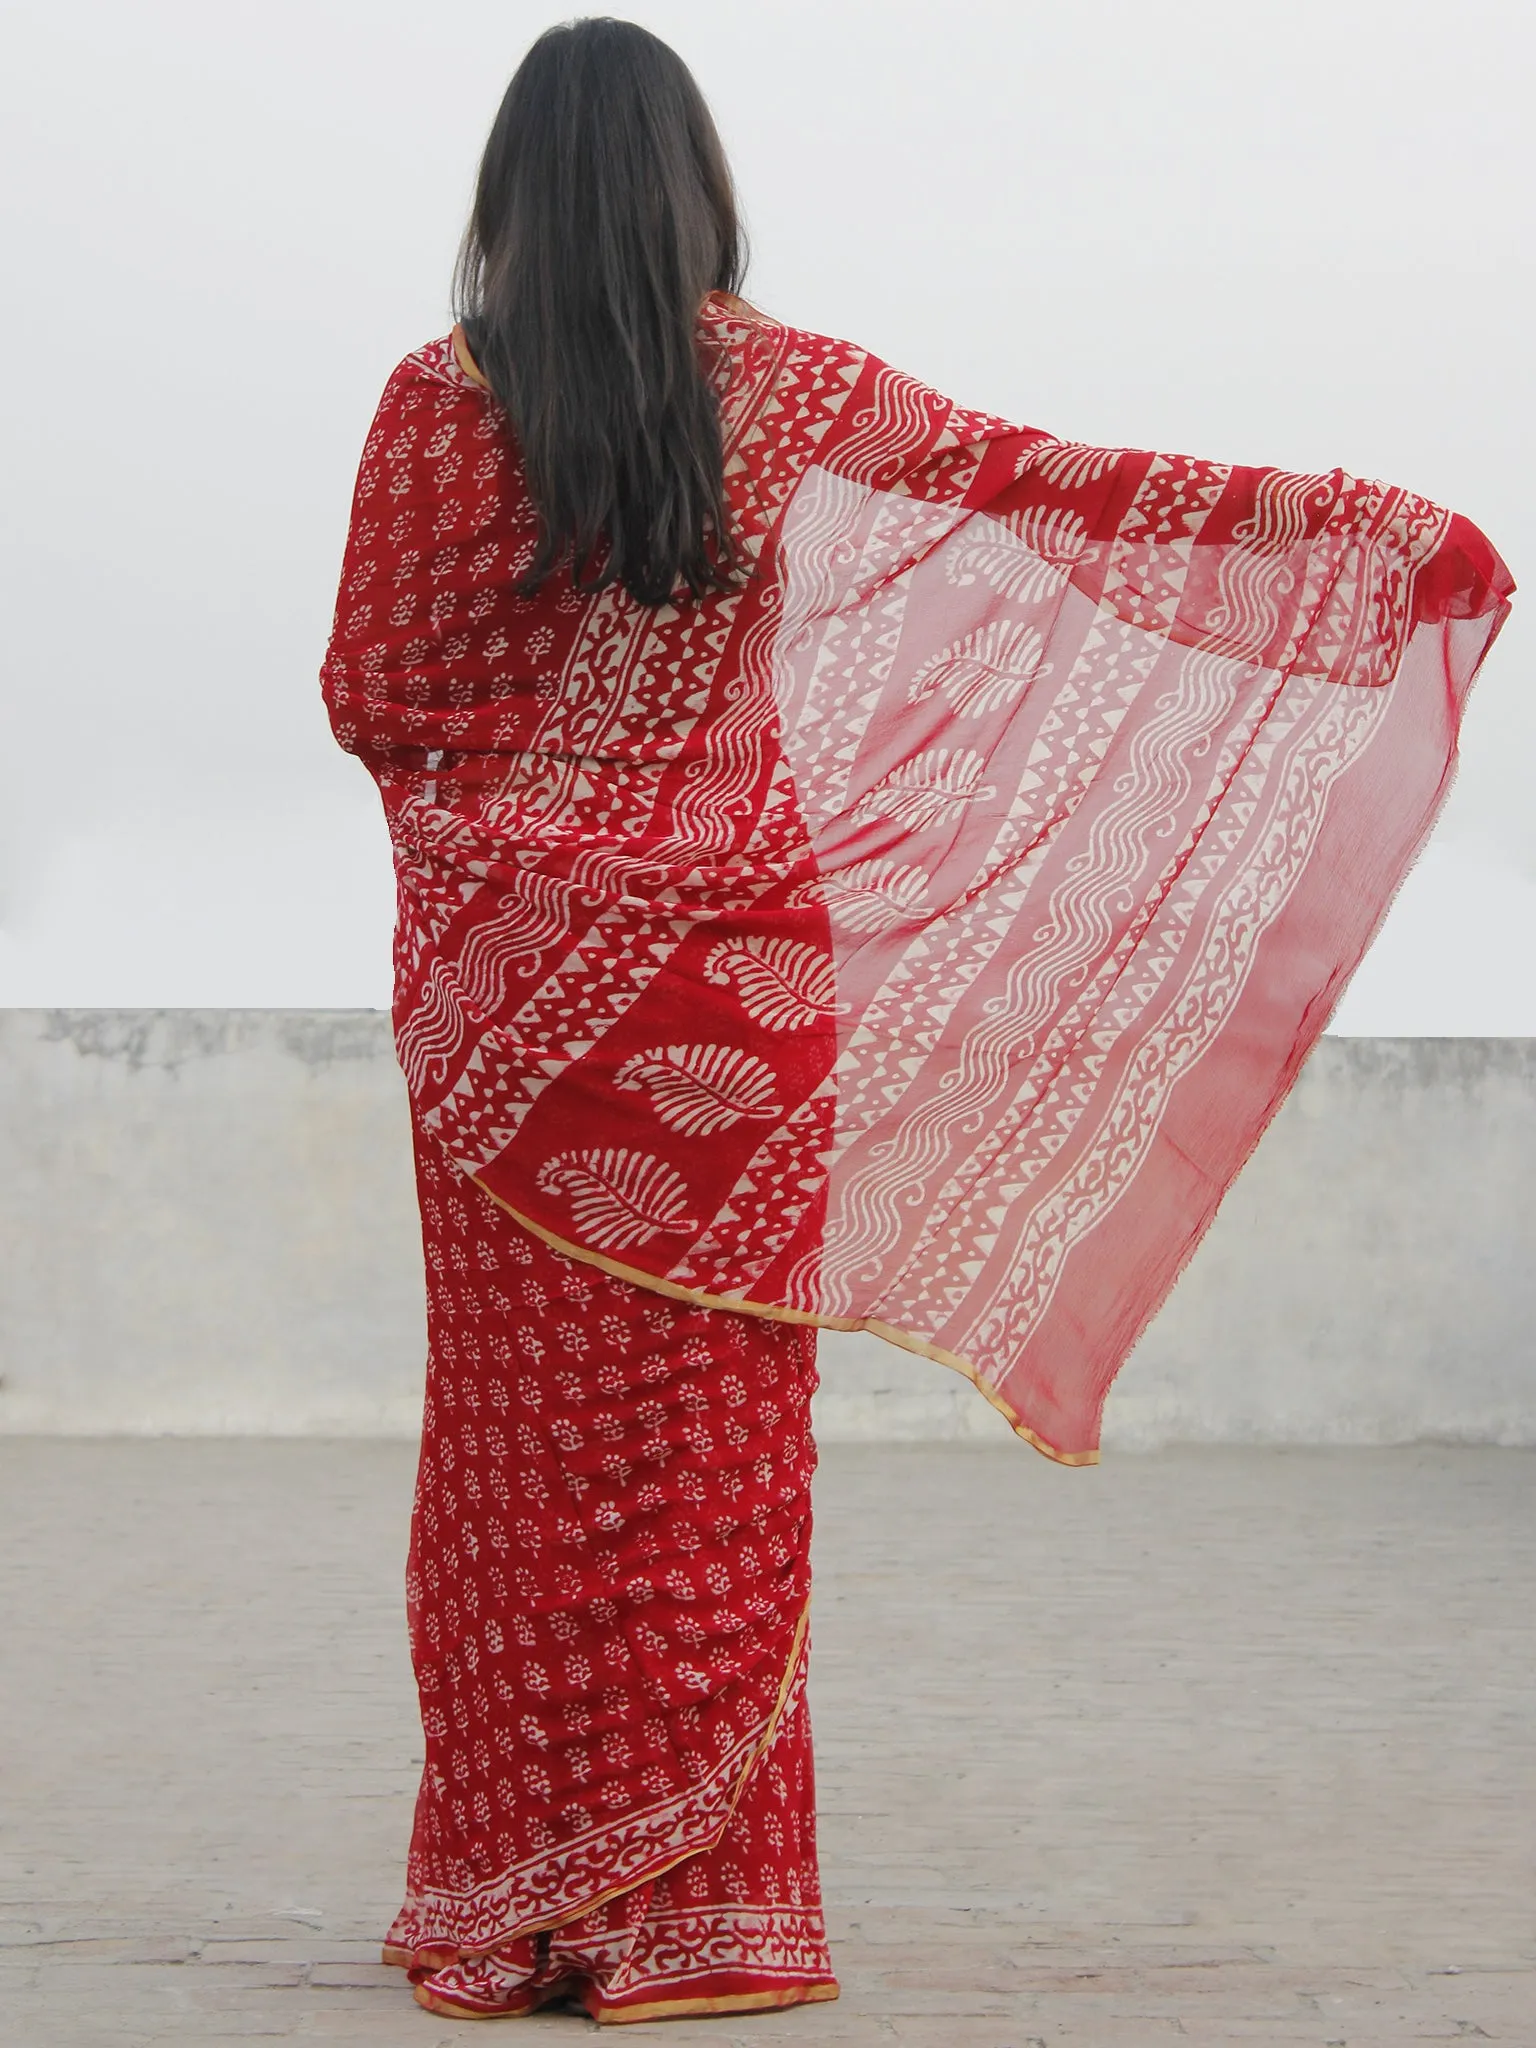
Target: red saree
(607,1591)
(915,938)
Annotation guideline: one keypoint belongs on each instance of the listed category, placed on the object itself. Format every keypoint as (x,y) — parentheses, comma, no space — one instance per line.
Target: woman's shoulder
(865,411)
(426,392)
(435,373)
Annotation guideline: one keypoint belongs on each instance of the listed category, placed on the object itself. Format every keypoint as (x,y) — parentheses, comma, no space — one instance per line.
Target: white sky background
(1295,233)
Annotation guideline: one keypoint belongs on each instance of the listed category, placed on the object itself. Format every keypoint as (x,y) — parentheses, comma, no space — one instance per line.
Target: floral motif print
(607,1594)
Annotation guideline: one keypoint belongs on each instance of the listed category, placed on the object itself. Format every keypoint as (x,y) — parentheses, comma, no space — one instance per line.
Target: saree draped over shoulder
(916,937)
(920,937)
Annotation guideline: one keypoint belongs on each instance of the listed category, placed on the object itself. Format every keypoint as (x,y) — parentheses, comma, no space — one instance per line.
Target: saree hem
(743,1997)
(609,2013)
(770,1312)
(533,2000)
(436,1941)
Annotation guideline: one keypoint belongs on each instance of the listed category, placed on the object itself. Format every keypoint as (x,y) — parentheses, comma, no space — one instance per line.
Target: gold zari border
(759,1751)
(403,1958)
(902,1339)
(685,2008)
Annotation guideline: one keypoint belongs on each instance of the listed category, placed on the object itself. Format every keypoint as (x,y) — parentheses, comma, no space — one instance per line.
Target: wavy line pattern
(988,784)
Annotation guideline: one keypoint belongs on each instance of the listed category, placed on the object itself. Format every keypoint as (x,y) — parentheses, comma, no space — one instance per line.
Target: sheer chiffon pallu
(916,938)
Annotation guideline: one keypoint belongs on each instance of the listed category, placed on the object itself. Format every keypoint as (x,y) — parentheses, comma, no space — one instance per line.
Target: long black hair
(604,215)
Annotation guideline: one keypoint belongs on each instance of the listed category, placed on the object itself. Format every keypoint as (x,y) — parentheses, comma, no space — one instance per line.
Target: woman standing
(860,864)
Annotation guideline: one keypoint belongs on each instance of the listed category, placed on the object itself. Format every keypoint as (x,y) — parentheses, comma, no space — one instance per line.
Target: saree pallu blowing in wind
(916,937)
(919,937)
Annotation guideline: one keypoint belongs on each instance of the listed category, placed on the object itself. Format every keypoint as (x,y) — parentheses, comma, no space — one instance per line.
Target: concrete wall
(207,1225)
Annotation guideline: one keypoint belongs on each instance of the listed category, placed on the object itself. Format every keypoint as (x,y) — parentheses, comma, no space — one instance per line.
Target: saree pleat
(607,1594)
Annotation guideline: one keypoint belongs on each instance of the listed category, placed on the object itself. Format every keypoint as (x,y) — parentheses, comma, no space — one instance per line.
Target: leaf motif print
(984,671)
(784,984)
(1071,464)
(1026,556)
(867,896)
(701,1089)
(618,1197)
(930,789)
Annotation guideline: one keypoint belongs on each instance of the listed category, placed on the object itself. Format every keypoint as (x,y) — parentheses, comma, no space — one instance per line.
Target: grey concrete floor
(1203,1747)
